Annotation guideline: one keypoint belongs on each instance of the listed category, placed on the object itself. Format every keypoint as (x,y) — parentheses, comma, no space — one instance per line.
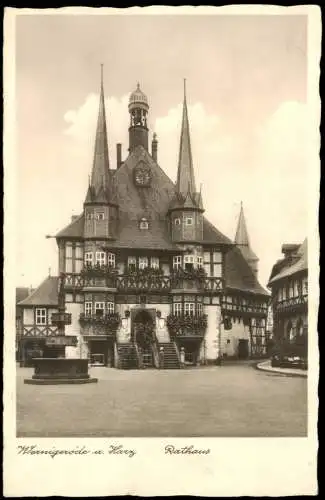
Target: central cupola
(138,109)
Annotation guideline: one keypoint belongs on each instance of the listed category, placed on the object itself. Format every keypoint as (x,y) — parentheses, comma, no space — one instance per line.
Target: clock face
(142,175)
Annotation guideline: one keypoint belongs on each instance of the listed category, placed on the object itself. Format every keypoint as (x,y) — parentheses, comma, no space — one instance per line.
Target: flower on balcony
(111,320)
(147,272)
(99,270)
(178,324)
(190,274)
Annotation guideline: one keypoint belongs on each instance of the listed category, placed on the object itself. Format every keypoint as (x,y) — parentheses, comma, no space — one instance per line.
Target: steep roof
(99,175)
(290,265)
(45,295)
(73,230)
(185,173)
(239,275)
(242,238)
(22,293)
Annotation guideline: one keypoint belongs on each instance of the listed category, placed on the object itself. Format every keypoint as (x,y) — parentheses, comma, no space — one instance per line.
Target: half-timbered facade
(142,270)
(289,285)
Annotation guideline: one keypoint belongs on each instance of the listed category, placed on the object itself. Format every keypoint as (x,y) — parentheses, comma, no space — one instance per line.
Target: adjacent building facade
(289,285)
(143,269)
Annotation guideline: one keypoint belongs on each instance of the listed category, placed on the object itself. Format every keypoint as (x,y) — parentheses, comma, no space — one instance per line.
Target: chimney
(118,155)
(74,217)
(289,250)
(154,147)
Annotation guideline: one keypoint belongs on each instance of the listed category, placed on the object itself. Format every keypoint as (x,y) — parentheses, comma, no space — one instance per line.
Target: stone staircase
(127,356)
(171,360)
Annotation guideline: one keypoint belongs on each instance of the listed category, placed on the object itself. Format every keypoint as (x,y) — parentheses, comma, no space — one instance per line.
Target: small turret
(243,243)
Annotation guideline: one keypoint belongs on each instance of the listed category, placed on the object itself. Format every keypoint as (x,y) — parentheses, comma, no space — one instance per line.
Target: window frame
(177,262)
(41,316)
(88,261)
(154,262)
(97,308)
(88,308)
(110,259)
(143,262)
(101,261)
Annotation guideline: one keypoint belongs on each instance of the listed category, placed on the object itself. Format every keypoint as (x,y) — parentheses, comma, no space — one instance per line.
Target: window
(143,262)
(177,262)
(177,221)
(88,258)
(89,216)
(110,307)
(144,224)
(291,292)
(111,259)
(189,308)
(68,251)
(101,258)
(305,286)
(88,308)
(188,221)
(217,264)
(78,266)
(178,308)
(207,263)
(154,262)
(199,308)
(199,261)
(40,316)
(99,308)
(132,262)
(189,262)
(79,251)
(100,216)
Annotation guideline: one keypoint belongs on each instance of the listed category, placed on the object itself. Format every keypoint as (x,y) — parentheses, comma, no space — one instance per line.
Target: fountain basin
(60,371)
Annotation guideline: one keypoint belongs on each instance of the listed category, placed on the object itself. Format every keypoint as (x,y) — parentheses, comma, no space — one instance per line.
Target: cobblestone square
(228,401)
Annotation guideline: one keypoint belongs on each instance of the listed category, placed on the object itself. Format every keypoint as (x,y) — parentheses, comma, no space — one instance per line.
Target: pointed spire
(185,173)
(100,169)
(241,237)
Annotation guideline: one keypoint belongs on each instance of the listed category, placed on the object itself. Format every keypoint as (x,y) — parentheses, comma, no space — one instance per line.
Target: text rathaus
(142,270)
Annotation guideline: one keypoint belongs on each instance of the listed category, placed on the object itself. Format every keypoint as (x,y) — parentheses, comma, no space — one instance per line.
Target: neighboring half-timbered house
(143,269)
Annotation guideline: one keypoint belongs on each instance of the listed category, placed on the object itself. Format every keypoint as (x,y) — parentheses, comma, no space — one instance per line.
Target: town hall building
(143,271)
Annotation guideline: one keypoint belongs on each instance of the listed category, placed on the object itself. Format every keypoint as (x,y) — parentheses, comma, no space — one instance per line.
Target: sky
(247,100)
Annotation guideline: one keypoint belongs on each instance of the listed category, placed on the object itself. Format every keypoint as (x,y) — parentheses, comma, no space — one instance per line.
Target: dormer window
(188,221)
(144,224)
(177,221)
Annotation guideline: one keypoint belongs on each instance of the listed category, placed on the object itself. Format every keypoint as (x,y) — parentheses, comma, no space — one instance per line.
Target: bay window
(111,259)
(189,308)
(100,258)
(188,262)
(99,309)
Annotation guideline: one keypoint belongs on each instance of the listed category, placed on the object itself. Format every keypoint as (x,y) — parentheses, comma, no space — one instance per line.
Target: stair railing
(155,352)
(137,354)
(116,356)
(177,353)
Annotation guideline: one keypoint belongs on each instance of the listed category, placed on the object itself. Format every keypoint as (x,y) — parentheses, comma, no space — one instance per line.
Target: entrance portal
(143,336)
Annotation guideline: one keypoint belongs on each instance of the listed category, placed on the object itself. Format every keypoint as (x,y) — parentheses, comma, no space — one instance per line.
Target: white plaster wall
(28,316)
(161,325)
(211,345)
(238,331)
(74,329)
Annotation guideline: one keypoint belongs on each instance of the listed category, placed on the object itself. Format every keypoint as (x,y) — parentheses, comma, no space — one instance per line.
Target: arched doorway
(143,335)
